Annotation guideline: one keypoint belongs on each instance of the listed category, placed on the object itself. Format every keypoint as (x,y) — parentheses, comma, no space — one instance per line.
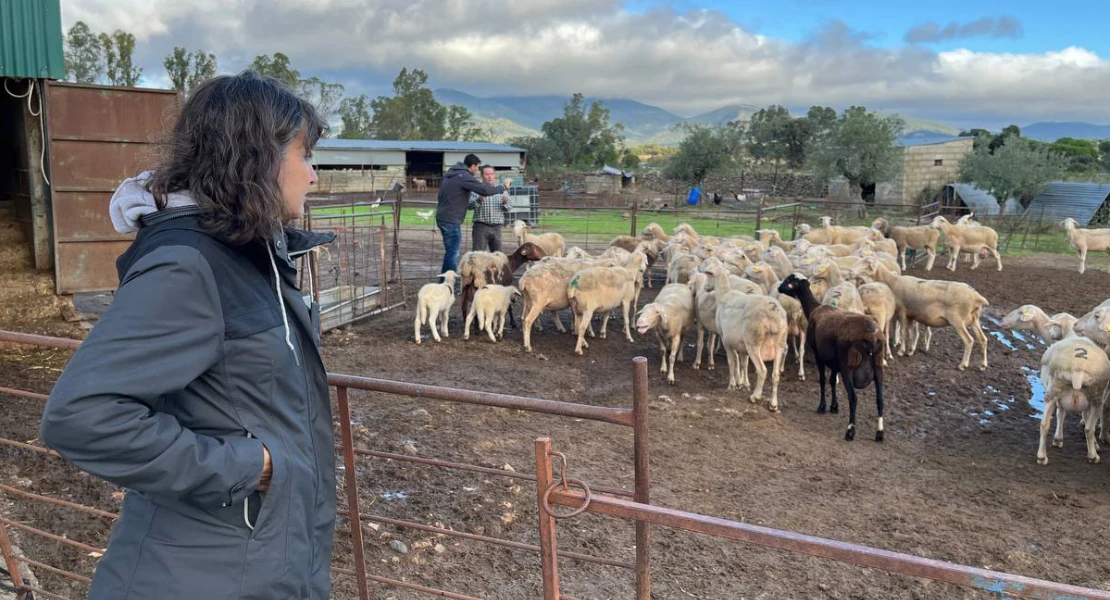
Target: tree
(629,159)
(412,113)
(704,150)
(1082,155)
(325,96)
(584,139)
(461,125)
(187,69)
(83,54)
(1017,169)
(769,133)
(119,48)
(279,68)
(543,155)
(974,132)
(862,148)
(355,114)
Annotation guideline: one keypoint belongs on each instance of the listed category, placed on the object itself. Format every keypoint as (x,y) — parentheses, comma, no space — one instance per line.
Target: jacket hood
(456,170)
(132,200)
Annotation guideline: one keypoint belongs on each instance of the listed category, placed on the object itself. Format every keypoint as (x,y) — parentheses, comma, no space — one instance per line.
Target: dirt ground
(956,478)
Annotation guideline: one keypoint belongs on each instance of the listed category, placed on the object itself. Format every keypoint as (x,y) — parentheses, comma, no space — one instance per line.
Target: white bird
(376,203)
(424,216)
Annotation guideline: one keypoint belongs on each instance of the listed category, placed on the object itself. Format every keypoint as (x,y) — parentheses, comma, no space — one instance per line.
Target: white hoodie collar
(131,201)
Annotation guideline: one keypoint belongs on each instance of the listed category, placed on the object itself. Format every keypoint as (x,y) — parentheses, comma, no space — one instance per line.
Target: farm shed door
(98,136)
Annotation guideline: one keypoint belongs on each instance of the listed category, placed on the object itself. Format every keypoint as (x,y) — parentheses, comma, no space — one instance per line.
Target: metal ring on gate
(563,482)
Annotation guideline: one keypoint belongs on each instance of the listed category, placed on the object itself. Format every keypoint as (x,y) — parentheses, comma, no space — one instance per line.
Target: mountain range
(514,116)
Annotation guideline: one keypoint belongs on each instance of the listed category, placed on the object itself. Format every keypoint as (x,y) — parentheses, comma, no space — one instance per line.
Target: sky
(966,63)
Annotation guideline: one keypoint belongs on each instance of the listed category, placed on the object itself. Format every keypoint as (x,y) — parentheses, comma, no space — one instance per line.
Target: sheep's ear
(1026,315)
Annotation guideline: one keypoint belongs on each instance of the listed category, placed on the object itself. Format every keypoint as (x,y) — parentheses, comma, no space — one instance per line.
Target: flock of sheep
(839,291)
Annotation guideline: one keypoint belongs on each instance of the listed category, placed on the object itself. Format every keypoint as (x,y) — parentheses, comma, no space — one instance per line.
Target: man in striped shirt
(489,214)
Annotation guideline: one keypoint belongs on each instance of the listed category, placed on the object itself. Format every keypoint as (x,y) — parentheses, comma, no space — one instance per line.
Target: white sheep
(961,238)
(600,289)
(490,302)
(920,237)
(1084,240)
(434,300)
(879,303)
(1075,372)
(671,315)
(1029,317)
(755,328)
(845,297)
(551,243)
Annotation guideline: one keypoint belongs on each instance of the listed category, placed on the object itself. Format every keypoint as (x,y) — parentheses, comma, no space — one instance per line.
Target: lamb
(968,239)
(751,327)
(1083,240)
(797,326)
(921,237)
(850,344)
(1075,372)
(490,302)
(480,268)
(670,315)
(552,243)
(933,304)
(434,301)
(1030,317)
(601,289)
(421,185)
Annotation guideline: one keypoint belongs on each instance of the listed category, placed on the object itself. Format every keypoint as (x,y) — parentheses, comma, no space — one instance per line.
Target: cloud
(1003,27)
(686,62)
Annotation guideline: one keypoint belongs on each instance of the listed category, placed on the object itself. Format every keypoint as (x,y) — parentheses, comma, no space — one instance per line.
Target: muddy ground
(956,478)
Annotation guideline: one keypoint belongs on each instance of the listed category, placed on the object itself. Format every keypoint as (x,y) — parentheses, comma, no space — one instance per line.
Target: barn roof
(981,202)
(1078,200)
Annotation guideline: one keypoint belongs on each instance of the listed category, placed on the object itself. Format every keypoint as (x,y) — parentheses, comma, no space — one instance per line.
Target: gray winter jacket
(192,369)
(454,194)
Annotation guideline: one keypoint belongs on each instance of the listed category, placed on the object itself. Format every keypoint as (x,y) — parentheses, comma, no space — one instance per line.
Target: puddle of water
(1036,392)
(394,495)
(1018,336)
(1031,347)
(984,421)
(932,394)
(991,390)
(1002,339)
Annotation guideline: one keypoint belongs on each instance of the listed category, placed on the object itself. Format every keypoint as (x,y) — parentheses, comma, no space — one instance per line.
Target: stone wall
(921,170)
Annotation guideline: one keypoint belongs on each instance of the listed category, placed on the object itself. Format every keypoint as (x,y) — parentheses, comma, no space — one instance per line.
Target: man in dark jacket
(454,196)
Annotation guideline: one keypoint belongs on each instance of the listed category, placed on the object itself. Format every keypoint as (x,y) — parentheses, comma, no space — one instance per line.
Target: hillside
(1052,131)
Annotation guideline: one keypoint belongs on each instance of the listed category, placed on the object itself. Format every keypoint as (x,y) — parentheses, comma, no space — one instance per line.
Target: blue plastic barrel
(695,195)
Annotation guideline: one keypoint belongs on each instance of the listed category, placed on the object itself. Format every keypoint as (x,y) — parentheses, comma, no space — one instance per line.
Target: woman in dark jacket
(201,389)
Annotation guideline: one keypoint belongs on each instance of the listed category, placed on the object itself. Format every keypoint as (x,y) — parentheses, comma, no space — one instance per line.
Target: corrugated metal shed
(31,39)
(981,202)
(1084,202)
(416,146)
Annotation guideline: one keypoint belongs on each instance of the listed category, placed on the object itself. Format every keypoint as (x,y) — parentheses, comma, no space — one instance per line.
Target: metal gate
(97,137)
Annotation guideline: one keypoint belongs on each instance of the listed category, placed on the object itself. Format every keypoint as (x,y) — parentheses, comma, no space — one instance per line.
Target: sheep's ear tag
(574,282)
(1026,315)
(822,268)
(1108,327)
(835,302)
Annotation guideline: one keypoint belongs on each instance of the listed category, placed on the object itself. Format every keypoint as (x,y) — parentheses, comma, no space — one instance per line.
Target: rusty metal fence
(634,418)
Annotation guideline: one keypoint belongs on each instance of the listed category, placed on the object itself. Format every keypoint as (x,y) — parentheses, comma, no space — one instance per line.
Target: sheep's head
(826,221)
(879,224)
(514,292)
(793,285)
(651,316)
(697,282)
(1069,223)
(449,278)
(938,222)
(519,227)
(531,251)
(1020,316)
(866,267)
(804,228)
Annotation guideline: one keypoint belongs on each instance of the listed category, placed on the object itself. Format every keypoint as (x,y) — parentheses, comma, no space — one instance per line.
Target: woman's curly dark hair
(226,150)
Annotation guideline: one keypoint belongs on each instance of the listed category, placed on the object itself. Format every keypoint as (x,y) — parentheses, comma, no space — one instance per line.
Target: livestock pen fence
(62,581)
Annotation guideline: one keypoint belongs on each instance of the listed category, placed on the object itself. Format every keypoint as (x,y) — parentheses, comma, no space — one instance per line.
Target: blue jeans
(452,240)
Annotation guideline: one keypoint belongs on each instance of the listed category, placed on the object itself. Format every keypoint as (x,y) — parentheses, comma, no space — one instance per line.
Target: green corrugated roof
(31,39)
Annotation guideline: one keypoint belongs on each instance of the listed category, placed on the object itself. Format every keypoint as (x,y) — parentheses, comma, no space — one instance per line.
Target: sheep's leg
(932,257)
(444,317)
(528,318)
(605,324)
(997,258)
(802,355)
(698,348)
(902,255)
(583,322)
(729,355)
(976,259)
(1082,260)
(662,352)
(821,408)
(470,321)
(776,375)
(627,307)
(420,315)
(1090,417)
(928,338)
(977,331)
(878,401)
(433,316)
(846,379)
(1104,435)
(903,333)
(834,407)
(914,339)
(559,322)
(501,328)
(712,350)
(1058,438)
(955,250)
(969,342)
(676,341)
(760,379)
(488,319)
(1046,424)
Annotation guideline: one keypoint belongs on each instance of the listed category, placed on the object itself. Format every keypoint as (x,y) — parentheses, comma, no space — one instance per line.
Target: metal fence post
(635,214)
(642,474)
(12,563)
(354,521)
(548,557)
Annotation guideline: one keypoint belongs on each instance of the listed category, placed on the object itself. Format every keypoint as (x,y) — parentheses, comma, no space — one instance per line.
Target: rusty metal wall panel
(80,217)
(98,136)
(89,267)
